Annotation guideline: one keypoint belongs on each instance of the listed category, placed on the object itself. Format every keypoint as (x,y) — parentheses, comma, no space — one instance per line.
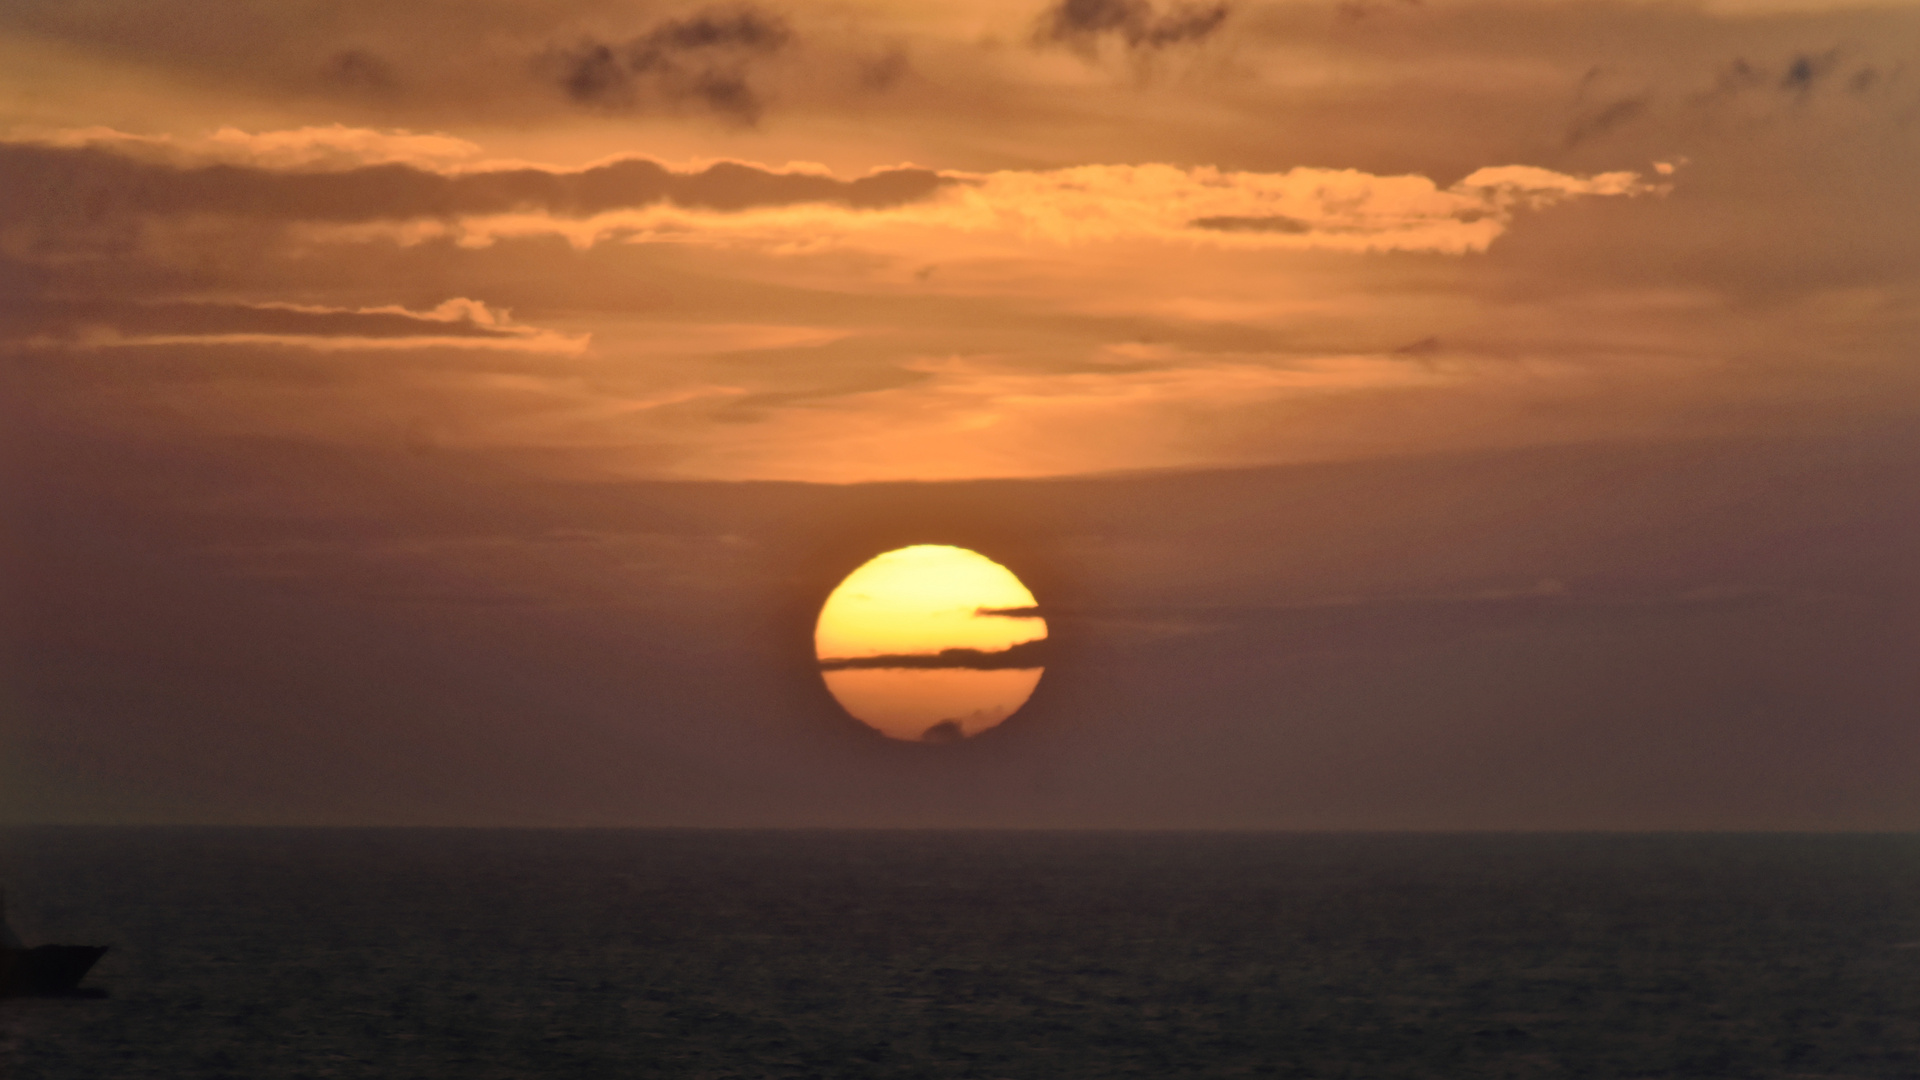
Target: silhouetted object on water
(45,970)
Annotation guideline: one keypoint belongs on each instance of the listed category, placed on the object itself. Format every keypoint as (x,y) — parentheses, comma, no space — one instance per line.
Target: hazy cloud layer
(312,635)
(999,357)
(747,321)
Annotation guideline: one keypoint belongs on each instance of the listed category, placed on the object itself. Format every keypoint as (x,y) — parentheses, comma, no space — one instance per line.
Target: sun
(930,643)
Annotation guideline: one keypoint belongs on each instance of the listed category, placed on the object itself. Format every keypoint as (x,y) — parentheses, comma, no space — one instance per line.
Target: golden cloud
(1301,209)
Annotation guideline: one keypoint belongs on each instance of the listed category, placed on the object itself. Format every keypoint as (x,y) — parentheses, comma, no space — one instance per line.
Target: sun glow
(915,643)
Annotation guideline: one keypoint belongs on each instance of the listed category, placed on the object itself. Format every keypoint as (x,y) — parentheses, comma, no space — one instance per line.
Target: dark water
(476,954)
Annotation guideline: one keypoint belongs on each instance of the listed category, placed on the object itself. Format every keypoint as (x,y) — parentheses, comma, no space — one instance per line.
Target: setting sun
(930,643)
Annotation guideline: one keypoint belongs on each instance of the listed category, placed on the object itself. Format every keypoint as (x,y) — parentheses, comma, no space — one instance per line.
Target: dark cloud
(1805,70)
(1010,613)
(360,70)
(76,189)
(882,72)
(1736,76)
(590,73)
(439,65)
(946,731)
(458,65)
(1083,22)
(742,27)
(1271,223)
(701,60)
(1604,119)
(1027,654)
(1799,77)
(1661,118)
(1356,10)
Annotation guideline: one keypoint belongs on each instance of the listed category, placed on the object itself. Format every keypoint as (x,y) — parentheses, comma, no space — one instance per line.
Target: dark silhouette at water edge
(44,970)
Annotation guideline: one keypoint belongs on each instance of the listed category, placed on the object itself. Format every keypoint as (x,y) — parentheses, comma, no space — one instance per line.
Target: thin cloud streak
(459,323)
(51,185)
(1026,656)
(559,344)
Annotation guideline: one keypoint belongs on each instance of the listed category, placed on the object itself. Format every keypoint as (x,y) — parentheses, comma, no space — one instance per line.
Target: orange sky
(379,300)
(1094,237)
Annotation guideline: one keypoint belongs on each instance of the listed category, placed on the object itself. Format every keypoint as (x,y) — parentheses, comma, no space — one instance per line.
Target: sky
(1407,414)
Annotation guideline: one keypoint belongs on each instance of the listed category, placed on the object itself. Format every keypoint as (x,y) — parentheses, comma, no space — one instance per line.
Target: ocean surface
(259,954)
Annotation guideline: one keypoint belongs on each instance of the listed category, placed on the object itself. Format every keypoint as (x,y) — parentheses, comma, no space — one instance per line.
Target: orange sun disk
(911,604)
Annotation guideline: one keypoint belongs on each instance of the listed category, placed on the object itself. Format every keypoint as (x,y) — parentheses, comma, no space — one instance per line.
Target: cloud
(1269,223)
(1604,119)
(1804,71)
(701,60)
(1083,23)
(458,323)
(1301,209)
(331,147)
(1024,656)
(1085,318)
(360,70)
(1102,301)
(946,731)
(534,342)
(1799,79)
(1009,613)
(48,186)
(1438,90)
(1339,209)
(884,70)
(586,65)
(1359,10)
(89,191)
(743,27)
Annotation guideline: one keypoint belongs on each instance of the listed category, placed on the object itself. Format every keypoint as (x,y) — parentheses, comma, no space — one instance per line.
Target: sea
(256,954)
